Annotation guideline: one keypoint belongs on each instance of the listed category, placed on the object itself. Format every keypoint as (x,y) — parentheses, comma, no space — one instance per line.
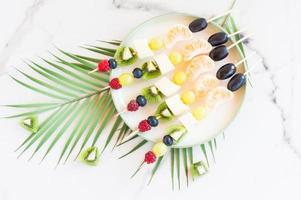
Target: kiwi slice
(152,94)
(164,113)
(150,70)
(176,132)
(30,123)
(198,169)
(125,56)
(90,156)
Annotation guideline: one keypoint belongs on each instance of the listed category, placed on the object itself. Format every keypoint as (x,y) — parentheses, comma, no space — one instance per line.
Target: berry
(126,79)
(133,106)
(188,97)
(152,120)
(167,140)
(175,57)
(103,66)
(159,149)
(115,84)
(179,78)
(141,100)
(199,113)
(150,157)
(156,44)
(137,73)
(144,126)
(112,63)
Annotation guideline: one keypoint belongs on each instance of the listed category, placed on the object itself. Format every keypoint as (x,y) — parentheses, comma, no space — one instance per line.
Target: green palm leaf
(80,108)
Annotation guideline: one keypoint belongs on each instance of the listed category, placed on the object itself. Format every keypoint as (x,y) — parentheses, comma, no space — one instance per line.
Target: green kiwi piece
(150,70)
(30,123)
(164,113)
(152,94)
(90,156)
(120,54)
(176,132)
(198,169)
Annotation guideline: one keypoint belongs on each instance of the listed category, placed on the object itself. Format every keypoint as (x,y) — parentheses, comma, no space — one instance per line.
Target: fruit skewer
(165,88)
(220,38)
(152,94)
(177,131)
(175,105)
(239,80)
(220,52)
(228,70)
(200,24)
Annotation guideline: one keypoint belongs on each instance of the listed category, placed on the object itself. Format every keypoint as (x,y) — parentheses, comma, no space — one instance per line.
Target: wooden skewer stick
(239,41)
(94,70)
(139,168)
(128,137)
(237,32)
(219,16)
(121,112)
(244,59)
(253,67)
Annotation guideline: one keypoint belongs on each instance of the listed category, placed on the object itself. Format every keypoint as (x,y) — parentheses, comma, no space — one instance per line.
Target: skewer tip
(131,135)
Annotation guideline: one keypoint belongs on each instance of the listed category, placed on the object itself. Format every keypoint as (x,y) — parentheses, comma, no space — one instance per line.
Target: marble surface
(261,156)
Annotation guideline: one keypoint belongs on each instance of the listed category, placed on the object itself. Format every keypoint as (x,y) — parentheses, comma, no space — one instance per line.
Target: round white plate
(205,130)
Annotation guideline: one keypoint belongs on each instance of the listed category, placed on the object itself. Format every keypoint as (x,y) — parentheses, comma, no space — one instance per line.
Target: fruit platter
(175,81)
(174,84)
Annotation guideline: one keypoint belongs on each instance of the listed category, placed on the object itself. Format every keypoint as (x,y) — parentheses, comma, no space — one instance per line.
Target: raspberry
(133,106)
(144,126)
(115,84)
(103,66)
(149,157)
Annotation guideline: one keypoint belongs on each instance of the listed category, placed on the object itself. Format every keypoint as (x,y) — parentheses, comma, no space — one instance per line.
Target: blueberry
(152,120)
(137,73)
(141,100)
(112,63)
(167,140)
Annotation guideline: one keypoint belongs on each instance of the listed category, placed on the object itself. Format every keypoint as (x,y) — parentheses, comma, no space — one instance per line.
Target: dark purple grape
(218,38)
(198,25)
(226,71)
(236,82)
(219,53)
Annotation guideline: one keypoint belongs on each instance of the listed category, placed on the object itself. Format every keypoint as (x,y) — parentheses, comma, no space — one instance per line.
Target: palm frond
(80,109)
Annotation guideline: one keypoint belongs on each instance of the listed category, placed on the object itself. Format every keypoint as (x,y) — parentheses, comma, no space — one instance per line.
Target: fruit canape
(152,94)
(176,132)
(176,105)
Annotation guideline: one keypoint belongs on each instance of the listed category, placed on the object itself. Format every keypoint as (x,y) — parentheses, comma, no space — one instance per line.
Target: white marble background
(261,156)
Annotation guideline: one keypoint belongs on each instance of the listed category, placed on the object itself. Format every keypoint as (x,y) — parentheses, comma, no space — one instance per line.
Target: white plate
(205,130)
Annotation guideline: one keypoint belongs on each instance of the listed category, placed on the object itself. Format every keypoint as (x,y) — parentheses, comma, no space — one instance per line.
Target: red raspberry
(150,157)
(133,106)
(144,126)
(115,84)
(103,66)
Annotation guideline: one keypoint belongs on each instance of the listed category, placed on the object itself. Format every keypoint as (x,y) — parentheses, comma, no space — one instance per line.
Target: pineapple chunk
(176,106)
(188,120)
(164,63)
(166,86)
(142,49)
